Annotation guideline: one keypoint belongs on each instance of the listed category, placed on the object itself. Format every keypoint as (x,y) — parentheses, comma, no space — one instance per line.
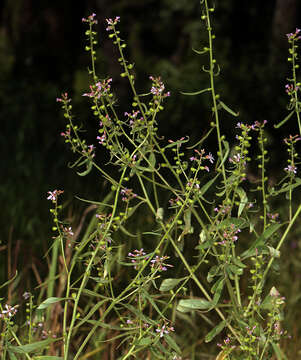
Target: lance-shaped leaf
(225,107)
(49,302)
(285,119)
(260,241)
(186,305)
(215,331)
(195,92)
(28,348)
(169,284)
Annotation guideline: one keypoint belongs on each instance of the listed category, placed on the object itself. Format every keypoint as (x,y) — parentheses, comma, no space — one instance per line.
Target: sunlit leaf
(49,302)
(186,305)
(169,284)
(273,252)
(28,348)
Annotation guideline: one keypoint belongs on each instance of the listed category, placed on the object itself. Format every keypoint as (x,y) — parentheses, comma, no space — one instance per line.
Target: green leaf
(152,159)
(260,241)
(202,139)
(215,331)
(89,166)
(205,187)
(285,120)
(240,223)
(48,358)
(243,200)
(234,269)
(178,142)
(273,252)
(200,52)
(278,352)
(217,289)
(186,305)
(145,341)
(143,168)
(225,107)
(171,342)
(91,312)
(226,151)
(147,296)
(169,284)
(237,262)
(28,348)
(10,280)
(49,302)
(196,92)
(12,355)
(214,271)
(287,187)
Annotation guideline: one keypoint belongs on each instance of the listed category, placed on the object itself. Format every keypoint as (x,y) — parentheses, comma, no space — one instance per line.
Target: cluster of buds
(91,19)
(230,235)
(158,263)
(294,36)
(127,194)
(136,257)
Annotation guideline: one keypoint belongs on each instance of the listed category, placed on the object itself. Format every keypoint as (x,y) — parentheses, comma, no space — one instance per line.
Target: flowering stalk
(293,88)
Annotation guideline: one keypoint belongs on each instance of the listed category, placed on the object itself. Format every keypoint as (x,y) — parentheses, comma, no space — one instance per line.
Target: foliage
(181,248)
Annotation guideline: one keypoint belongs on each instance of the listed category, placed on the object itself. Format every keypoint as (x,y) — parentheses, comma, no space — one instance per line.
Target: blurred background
(42,55)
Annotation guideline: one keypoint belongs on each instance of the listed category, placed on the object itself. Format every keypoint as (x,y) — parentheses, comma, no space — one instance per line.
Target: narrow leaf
(48,357)
(196,92)
(226,151)
(12,355)
(152,159)
(225,107)
(171,342)
(243,200)
(89,165)
(9,281)
(261,240)
(215,331)
(28,348)
(278,352)
(285,120)
(145,341)
(49,302)
(200,52)
(208,184)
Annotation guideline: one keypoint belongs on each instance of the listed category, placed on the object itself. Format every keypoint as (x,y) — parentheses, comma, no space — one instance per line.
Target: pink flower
(91,19)
(112,23)
(54,194)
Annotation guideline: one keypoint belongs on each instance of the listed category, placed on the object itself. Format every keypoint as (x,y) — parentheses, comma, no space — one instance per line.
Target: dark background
(42,55)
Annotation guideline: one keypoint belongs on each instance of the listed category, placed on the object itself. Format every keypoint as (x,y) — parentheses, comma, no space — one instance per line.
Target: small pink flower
(112,23)
(54,194)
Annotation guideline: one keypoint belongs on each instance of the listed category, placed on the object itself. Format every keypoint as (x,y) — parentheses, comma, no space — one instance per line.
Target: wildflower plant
(177,236)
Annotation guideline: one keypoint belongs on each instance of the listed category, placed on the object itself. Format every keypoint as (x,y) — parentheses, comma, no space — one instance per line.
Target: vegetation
(180,259)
